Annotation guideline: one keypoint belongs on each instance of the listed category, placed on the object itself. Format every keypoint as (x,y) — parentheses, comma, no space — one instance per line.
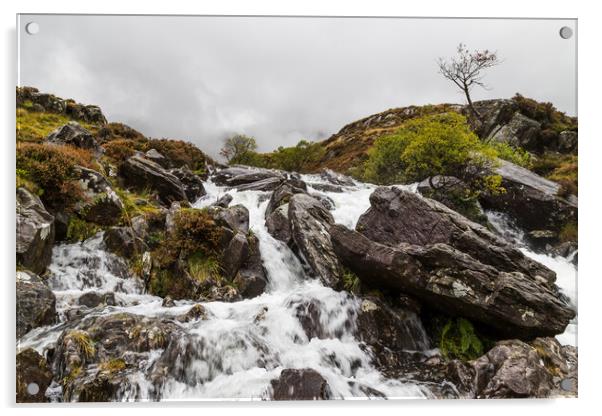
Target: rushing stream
(243,345)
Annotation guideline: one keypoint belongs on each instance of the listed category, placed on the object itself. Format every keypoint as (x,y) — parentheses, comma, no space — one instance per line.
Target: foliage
(50,171)
(298,158)
(179,152)
(33,126)
(351,283)
(203,268)
(516,155)
(559,168)
(237,147)
(121,149)
(119,131)
(80,230)
(113,365)
(429,146)
(459,340)
(545,113)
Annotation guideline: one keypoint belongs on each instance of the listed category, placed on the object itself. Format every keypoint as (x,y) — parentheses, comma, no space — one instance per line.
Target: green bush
(545,113)
(516,155)
(424,147)
(459,340)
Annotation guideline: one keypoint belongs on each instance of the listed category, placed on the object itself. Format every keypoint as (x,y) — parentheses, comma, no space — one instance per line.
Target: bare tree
(466,70)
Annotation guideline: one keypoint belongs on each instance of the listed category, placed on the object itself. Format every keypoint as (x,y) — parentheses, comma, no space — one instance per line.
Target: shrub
(80,230)
(179,152)
(516,155)
(236,147)
(459,340)
(50,171)
(432,145)
(83,342)
(119,131)
(545,113)
(121,149)
(299,158)
(562,169)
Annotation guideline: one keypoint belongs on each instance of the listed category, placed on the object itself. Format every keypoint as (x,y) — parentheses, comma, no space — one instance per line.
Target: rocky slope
(149,272)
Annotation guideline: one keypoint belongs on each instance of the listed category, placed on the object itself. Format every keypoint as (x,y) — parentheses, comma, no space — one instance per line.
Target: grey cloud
(280,79)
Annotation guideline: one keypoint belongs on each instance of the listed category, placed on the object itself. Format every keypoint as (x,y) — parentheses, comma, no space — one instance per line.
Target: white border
(590,106)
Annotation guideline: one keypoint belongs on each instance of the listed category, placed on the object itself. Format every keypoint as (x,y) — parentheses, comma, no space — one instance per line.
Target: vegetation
(113,365)
(179,153)
(569,232)
(516,155)
(237,148)
(35,126)
(433,145)
(545,113)
(459,340)
(559,168)
(351,283)
(83,342)
(80,230)
(49,171)
(466,71)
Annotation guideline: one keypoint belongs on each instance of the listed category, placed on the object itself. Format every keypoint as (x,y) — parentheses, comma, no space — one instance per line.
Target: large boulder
(510,303)
(300,384)
(35,232)
(242,175)
(73,134)
(235,217)
(278,224)
(193,184)
(310,223)
(398,217)
(520,131)
(515,369)
(336,178)
(532,201)
(158,158)
(33,377)
(100,204)
(124,242)
(36,304)
(141,174)
(251,278)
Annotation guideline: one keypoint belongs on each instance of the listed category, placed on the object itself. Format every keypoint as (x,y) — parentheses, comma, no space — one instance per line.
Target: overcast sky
(280,79)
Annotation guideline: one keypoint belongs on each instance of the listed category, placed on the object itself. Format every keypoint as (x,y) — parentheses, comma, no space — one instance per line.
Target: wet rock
(74,134)
(123,242)
(140,174)
(236,218)
(397,216)
(168,302)
(268,184)
(514,369)
(327,187)
(251,279)
(35,232)
(281,196)
(223,202)
(197,312)
(93,359)
(310,225)
(36,304)
(308,312)
(193,184)
(93,299)
(158,158)
(510,303)
(326,201)
(300,384)
(532,201)
(100,204)
(278,224)
(336,178)
(33,377)
(541,240)
(235,255)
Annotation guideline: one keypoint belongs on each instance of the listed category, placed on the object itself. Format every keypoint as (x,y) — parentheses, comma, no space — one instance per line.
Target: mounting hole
(33,389)
(566,32)
(32,28)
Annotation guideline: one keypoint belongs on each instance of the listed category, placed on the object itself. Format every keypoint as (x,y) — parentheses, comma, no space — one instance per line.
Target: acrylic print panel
(283,208)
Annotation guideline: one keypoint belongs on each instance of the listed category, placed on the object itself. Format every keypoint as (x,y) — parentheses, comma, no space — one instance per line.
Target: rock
(93,359)
(281,195)
(532,201)
(568,142)
(326,201)
(510,303)
(397,216)
(223,201)
(540,240)
(310,225)
(33,377)
(235,255)
(268,184)
(252,176)
(278,224)
(36,304)
(514,369)
(193,185)
(327,187)
(100,204)
(168,302)
(520,131)
(35,232)
(140,174)
(336,178)
(93,299)
(251,279)
(158,158)
(123,242)
(302,384)
(235,217)
(73,134)
(197,312)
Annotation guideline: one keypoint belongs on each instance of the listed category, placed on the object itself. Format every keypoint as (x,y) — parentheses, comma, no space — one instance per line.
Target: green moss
(569,232)
(80,230)
(351,283)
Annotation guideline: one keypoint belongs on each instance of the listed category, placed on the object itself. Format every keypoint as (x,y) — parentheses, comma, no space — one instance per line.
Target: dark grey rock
(75,135)
(36,304)
(303,384)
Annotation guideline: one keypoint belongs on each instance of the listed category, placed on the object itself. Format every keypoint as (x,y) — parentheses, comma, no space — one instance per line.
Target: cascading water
(242,346)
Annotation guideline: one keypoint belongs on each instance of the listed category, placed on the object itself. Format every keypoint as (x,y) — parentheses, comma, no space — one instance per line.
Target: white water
(566,271)
(242,346)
